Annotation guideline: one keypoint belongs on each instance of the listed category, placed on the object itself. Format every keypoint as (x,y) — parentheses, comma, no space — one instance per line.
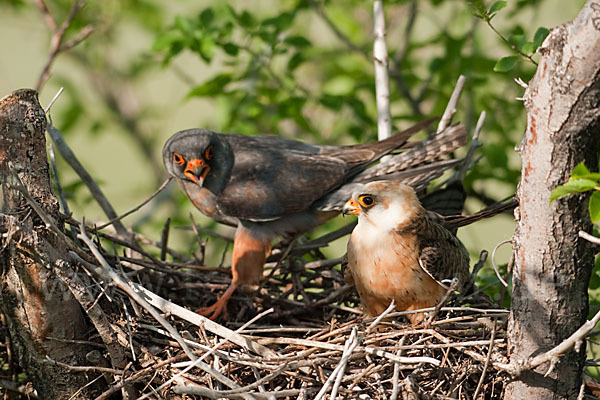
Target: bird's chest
(202,198)
(385,264)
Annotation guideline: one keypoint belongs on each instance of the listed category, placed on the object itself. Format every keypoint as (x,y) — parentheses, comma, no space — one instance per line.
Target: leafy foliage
(582,180)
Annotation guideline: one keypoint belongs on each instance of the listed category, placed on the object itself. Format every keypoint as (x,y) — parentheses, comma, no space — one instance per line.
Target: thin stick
(108,273)
(233,336)
(589,238)
(142,204)
(198,361)
(53,100)
(380,57)
(58,33)
(494,261)
(487,360)
(562,348)
(396,373)
(72,160)
(78,368)
(217,394)
(442,302)
(340,374)
(61,193)
(348,352)
(452,103)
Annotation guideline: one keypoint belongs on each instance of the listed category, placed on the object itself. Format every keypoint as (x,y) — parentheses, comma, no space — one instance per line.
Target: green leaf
(479,9)
(212,86)
(594,207)
(183,24)
(497,6)
(573,186)
(295,61)
(517,40)
(166,40)
(297,41)
(206,17)
(580,170)
(281,22)
(505,64)
(231,49)
(528,48)
(539,36)
(246,19)
(333,102)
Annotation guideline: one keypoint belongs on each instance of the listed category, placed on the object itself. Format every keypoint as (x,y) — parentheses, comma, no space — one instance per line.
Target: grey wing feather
(276,177)
(442,255)
(443,143)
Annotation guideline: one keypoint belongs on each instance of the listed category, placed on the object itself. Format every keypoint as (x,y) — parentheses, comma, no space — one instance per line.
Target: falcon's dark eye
(178,159)
(366,200)
(208,153)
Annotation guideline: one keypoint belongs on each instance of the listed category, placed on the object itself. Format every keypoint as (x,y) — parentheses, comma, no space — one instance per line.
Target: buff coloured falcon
(270,187)
(399,251)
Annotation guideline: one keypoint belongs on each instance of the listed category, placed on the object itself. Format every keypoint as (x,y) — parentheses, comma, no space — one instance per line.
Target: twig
(198,320)
(590,238)
(321,13)
(198,362)
(442,302)
(494,261)
(562,348)
(108,273)
(512,46)
(89,368)
(61,193)
(399,57)
(49,106)
(216,394)
(345,355)
(142,204)
(58,34)
(72,160)
(487,360)
(452,103)
(380,58)
(396,373)
(348,349)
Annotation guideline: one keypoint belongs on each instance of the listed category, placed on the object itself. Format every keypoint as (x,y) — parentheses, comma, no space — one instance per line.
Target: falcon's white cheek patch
(387,219)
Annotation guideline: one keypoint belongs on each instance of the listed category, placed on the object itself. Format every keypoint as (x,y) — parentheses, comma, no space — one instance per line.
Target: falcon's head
(385,204)
(199,156)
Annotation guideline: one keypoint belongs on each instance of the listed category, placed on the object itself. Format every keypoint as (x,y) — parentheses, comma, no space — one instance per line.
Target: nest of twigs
(300,334)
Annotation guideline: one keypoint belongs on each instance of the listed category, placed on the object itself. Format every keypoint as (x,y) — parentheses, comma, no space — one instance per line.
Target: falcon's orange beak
(351,207)
(197,170)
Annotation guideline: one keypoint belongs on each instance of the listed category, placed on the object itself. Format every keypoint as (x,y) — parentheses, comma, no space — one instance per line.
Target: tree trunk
(42,316)
(552,265)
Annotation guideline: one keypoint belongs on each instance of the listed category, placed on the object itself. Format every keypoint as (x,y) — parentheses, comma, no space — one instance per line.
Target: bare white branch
(451,107)
(382,89)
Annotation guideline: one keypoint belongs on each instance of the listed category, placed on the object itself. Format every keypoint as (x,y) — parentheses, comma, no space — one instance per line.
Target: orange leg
(249,255)
(220,306)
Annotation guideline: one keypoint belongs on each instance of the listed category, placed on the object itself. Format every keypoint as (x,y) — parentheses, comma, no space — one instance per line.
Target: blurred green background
(300,69)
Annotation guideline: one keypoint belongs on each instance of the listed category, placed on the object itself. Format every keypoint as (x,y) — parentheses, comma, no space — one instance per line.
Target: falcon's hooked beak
(197,170)
(351,207)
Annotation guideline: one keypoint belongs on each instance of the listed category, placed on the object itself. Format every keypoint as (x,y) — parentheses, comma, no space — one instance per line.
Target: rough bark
(41,314)
(552,265)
